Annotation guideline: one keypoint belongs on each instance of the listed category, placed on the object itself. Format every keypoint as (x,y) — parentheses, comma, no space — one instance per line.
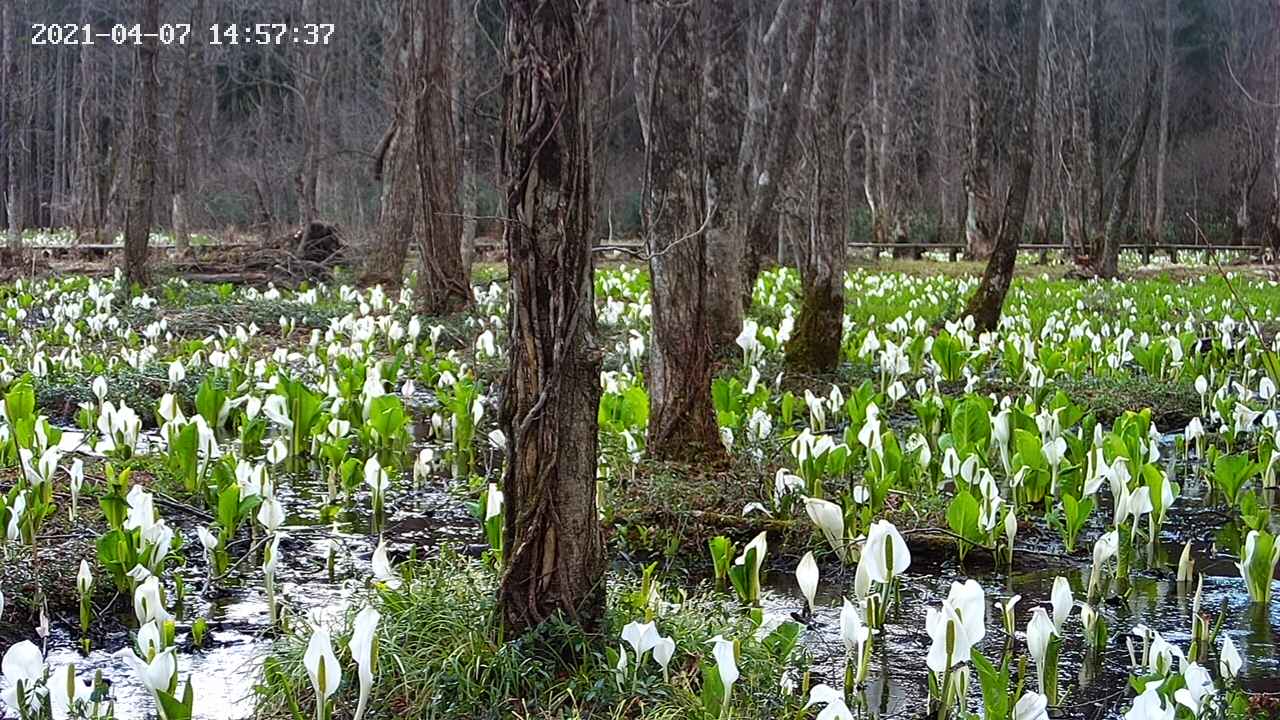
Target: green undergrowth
(441,655)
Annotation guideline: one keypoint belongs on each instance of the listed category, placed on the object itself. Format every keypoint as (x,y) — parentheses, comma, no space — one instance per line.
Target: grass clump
(441,654)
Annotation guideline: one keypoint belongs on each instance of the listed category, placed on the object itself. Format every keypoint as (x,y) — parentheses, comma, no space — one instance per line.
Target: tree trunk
(555,563)
(311,89)
(979,230)
(682,421)
(988,299)
(763,187)
(1275,178)
(1162,151)
(12,121)
(1126,172)
(443,286)
(820,325)
(464,53)
(399,207)
(722,136)
(142,158)
(182,133)
(395,163)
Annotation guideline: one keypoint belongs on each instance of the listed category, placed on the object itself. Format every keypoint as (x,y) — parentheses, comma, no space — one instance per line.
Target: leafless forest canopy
(1146,111)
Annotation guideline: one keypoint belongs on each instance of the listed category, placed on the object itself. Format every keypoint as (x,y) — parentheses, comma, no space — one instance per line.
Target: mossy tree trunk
(815,347)
(986,302)
(682,420)
(443,286)
(555,548)
(142,157)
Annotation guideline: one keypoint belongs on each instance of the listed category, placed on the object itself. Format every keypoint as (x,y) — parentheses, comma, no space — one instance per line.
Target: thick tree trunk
(399,207)
(555,563)
(682,421)
(142,158)
(722,135)
(820,325)
(443,286)
(396,161)
(778,156)
(988,299)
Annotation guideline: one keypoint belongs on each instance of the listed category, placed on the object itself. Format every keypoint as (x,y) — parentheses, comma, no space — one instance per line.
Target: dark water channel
(224,670)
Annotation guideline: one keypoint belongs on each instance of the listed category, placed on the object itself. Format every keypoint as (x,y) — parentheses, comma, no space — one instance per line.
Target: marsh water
(423,519)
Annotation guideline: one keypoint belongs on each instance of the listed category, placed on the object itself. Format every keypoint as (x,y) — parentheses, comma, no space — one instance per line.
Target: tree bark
(988,299)
(682,421)
(1275,176)
(464,54)
(1124,176)
(820,324)
(764,185)
(142,158)
(555,564)
(396,163)
(443,286)
(979,228)
(722,134)
(12,121)
(182,133)
(1162,151)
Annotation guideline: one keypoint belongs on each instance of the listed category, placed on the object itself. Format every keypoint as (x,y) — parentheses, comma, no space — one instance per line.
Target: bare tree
(682,421)
(443,285)
(988,299)
(819,327)
(1123,178)
(767,159)
(555,564)
(142,156)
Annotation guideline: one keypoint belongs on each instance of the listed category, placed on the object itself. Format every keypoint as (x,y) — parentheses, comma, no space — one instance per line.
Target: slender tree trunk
(682,421)
(1275,175)
(443,286)
(464,52)
(820,325)
(142,158)
(555,564)
(182,133)
(1162,151)
(12,121)
(988,299)
(764,187)
(980,218)
(722,137)
(311,88)
(1125,175)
